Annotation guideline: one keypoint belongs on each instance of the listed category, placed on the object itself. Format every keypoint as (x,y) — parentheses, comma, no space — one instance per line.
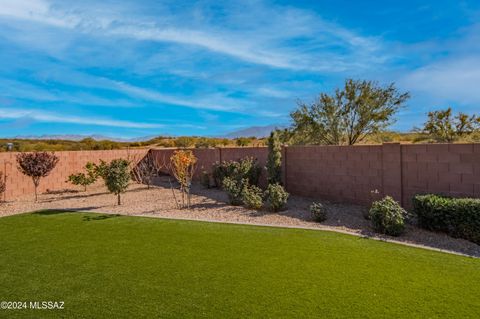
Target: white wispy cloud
(49,117)
(447,80)
(83,82)
(264,44)
(197,103)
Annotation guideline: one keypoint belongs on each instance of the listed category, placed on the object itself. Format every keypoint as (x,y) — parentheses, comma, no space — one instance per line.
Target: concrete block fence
(69,162)
(351,173)
(336,173)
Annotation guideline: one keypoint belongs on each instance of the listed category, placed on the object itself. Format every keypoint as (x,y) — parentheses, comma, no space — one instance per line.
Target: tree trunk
(118,197)
(36,182)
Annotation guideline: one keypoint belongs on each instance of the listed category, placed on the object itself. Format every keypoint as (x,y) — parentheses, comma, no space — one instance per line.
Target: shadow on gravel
(79,195)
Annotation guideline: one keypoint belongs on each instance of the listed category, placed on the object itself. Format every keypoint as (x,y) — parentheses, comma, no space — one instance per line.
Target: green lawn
(105,266)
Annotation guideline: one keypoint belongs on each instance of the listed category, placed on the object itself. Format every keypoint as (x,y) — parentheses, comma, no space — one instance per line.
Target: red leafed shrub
(36,165)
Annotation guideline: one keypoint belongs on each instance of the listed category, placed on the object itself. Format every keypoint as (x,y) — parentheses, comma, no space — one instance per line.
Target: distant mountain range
(76,137)
(257,131)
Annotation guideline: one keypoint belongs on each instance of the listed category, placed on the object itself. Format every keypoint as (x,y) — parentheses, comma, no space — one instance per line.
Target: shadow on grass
(86,218)
(100,217)
(53,212)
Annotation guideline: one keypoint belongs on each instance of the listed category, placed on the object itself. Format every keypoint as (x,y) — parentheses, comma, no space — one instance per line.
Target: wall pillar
(392,171)
(284,165)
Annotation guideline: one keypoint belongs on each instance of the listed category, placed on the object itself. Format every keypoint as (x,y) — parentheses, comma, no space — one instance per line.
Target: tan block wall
(350,173)
(450,169)
(69,162)
(337,173)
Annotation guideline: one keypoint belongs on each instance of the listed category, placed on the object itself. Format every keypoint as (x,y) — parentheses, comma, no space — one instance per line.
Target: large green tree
(347,116)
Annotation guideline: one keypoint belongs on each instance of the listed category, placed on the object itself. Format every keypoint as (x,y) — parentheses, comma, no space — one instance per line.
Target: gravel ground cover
(210,205)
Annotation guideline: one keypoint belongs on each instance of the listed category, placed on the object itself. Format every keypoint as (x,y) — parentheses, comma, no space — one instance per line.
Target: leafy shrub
(243,141)
(245,168)
(220,171)
(117,177)
(252,196)
(84,179)
(206,142)
(101,169)
(234,190)
(459,217)
(318,212)
(375,195)
(276,197)
(36,165)
(388,217)
(184,142)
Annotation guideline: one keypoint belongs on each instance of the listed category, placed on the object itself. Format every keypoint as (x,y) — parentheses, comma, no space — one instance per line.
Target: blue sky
(137,68)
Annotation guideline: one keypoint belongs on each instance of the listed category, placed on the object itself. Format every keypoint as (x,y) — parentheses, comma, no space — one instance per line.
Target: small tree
(274,160)
(182,165)
(347,116)
(84,179)
(117,177)
(444,127)
(36,165)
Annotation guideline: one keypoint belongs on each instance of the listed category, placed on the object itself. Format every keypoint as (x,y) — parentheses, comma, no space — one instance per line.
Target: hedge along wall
(350,173)
(70,162)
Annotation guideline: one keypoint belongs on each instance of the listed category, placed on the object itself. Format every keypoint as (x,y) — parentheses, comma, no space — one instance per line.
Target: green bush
(276,197)
(85,179)
(101,169)
(252,196)
(247,168)
(388,217)
(234,190)
(459,217)
(318,212)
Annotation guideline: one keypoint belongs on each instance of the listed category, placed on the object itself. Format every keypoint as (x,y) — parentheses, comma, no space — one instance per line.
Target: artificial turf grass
(118,266)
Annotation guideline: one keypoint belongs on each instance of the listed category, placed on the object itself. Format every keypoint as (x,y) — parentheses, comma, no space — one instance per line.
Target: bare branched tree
(146,169)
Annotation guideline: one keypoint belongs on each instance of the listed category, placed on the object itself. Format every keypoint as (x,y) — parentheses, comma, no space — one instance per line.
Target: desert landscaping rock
(210,205)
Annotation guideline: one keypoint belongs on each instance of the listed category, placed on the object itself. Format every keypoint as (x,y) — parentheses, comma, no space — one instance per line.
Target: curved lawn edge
(328,229)
(182,268)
